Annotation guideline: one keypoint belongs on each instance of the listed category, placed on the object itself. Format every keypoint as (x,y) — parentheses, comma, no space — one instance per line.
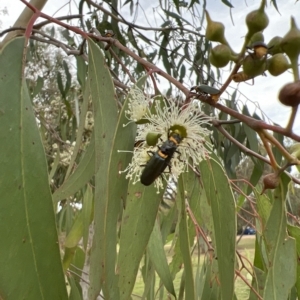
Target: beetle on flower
(162,122)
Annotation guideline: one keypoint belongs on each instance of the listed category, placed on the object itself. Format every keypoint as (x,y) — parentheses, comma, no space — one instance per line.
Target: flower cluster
(161,120)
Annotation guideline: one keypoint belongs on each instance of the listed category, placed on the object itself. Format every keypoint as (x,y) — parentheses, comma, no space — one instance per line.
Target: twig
(238,273)
(73,266)
(224,122)
(122,65)
(66,48)
(198,228)
(242,258)
(292,118)
(72,272)
(251,122)
(70,17)
(132,25)
(246,150)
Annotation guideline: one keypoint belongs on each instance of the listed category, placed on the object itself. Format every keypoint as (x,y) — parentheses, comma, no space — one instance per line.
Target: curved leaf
(158,257)
(137,224)
(30,259)
(184,239)
(110,185)
(295,233)
(220,197)
(84,172)
(280,249)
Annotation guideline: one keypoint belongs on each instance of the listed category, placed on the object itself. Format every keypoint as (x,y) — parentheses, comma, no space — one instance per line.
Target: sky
(264,91)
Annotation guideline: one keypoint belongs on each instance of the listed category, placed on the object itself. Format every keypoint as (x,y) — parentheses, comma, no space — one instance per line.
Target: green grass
(245,247)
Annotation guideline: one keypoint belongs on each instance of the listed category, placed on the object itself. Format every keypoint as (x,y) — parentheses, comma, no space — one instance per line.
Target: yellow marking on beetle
(162,155)
(173,140)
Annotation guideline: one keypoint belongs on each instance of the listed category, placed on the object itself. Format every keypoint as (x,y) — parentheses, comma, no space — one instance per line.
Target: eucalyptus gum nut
(270,181)
(278,64)
(152,138)
(289,94)
(215,30)
(257,20)
(179,129)
(256,37)
(274,45)
(253,66)
(220,56)
(290,43)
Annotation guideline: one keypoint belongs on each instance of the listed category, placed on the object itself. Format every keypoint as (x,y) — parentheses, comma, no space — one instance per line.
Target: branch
(70,17)
(217,125)
(255,124)
(246,150)
(23,20)
(132,25)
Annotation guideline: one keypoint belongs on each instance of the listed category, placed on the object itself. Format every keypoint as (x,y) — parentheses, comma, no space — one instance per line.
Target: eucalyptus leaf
(220,197)
(28,229)
(158,258)
(137,225)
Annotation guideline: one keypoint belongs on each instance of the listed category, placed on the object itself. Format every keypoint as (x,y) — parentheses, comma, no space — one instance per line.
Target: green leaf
(185,244)
(275,4)
(54,165)
(80,132)
(75,293)
(226,2)
(81,70)
(220,197)
(28,232)
(158,258)
(75,233)
(148,273)
(167,221)
(182,73)
(77,264)
(68,77)
(258,283)
(110,185)
(87,209)
(211,289)
(256,175)
(126,2)
(281,250)
(84,172)
(251,138)
(195,1)
(177,260)
(68,257)
(200,276)
(295,233)
(60,85)
(38,87)
(177,17)
(105,120)
(264,207)
(137,225)
(73,263)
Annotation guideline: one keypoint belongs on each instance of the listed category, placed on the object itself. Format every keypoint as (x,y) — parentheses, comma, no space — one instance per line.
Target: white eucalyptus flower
(137,105)
(165,119)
